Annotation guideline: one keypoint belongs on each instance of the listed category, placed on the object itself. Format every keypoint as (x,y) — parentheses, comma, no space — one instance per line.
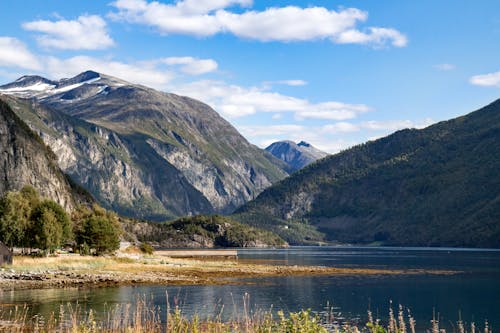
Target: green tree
(97,228)
(100,234)
(31,195)
(51,226)
(15,212)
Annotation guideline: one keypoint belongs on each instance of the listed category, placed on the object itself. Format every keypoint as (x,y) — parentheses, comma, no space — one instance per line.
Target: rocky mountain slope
(296,155)
(141,152)
(26,160)
(439,186)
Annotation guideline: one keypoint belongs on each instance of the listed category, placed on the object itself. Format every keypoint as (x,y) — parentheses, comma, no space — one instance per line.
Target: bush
(146,248)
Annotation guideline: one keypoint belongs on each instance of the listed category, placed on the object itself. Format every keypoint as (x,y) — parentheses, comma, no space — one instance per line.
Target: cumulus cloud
(331,111)
(156,73)
(340,127)
(264,135)
(375,36)
(235,101)
(284,24)
(135,73)
(332,137)
(14,53)
(486,80)
(87,32)
(192,66)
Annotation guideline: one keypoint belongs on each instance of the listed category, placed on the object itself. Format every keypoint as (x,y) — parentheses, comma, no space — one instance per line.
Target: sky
(332,73)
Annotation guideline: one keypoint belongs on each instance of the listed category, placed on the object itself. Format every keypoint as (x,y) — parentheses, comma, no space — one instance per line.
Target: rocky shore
(28,273)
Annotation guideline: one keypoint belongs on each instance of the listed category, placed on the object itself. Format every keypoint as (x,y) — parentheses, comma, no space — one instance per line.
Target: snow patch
(73,86)
(39,86)
(44,90)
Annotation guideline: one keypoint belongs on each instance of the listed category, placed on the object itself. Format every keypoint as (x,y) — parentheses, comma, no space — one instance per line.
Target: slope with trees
(438,186)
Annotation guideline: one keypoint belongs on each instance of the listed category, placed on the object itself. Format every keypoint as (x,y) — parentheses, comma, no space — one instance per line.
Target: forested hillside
(439,186)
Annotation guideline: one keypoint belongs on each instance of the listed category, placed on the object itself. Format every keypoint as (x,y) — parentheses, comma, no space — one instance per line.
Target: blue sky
(333,73)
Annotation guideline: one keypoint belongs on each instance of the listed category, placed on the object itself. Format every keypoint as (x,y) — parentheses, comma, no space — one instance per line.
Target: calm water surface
(475,292)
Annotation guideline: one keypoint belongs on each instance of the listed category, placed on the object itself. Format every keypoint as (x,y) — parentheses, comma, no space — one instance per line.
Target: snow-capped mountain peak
(30,86)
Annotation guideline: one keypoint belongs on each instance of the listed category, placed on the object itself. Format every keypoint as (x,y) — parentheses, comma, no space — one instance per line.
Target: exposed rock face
(25,160)
(141,152)
(295,155)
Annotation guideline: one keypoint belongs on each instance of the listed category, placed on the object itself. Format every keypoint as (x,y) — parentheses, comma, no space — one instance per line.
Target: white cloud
(156,73)
(87,32)
(332,111)
(168,19)
(192,66)
(284,24)
(375,36)
(390,125)
(374,125)
(263,130)
(291,83)
(290,23)
(14,53)
(135,73)
(263,136)
(234,101)
(444,67)
(331,138)
(205,6)
(486,80)
(340,127)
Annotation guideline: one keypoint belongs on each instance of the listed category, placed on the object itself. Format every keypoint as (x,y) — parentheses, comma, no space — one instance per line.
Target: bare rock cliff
(25,160)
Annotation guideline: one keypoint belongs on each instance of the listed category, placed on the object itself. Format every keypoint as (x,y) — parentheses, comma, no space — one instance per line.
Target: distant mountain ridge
(143,153)
(439,186)
(296,155)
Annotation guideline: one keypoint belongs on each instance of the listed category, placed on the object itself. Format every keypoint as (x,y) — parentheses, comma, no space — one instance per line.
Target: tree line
(30,221)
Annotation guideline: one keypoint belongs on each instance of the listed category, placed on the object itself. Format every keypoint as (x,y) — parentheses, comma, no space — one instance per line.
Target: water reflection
(475,292)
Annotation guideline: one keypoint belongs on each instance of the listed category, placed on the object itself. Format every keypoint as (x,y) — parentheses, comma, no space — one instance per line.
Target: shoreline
(78,271)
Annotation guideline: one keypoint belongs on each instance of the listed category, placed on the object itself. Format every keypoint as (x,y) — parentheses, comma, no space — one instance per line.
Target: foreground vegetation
(30,221)
(147,318)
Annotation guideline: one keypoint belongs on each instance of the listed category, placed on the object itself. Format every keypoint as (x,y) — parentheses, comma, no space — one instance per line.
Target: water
(475,292)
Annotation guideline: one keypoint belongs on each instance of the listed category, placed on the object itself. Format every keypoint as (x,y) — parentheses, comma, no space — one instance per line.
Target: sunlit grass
(147,318)
(32,264)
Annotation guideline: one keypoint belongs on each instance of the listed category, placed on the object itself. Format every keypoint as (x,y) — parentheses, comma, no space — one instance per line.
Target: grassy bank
(75,270)
(147,318)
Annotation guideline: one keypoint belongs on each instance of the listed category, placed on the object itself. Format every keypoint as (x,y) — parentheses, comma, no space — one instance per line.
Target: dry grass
(144,317)
(72,270)
(63,263)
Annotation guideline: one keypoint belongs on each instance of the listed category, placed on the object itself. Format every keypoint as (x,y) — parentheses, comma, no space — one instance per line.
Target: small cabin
(5,255)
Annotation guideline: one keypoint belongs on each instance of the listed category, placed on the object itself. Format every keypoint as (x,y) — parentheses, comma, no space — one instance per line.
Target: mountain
(143,153)
(439,186)
(26,160)
(296,155)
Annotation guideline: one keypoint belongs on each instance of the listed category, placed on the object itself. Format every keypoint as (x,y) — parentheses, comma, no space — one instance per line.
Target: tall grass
(144,317)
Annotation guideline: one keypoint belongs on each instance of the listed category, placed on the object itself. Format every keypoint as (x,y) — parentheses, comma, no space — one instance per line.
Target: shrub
(146,248)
